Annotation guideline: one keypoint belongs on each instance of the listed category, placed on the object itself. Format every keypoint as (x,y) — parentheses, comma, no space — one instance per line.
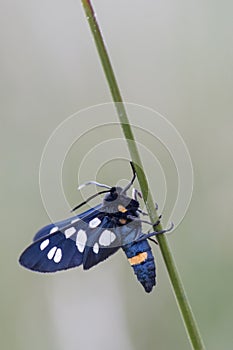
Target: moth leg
(158,221)
(136,194)
(146,214)
(153,240)
(135,218)
(142,212)
(148,235)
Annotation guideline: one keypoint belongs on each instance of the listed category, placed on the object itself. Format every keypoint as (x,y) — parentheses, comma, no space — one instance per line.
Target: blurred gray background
(173,56)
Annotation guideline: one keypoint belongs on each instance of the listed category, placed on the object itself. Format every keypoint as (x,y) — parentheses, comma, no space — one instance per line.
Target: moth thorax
(116,202)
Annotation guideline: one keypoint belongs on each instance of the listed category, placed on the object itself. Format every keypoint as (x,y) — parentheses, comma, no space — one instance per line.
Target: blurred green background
(173,56)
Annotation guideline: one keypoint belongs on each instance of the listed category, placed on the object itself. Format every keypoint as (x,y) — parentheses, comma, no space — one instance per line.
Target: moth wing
(102,242)
(87,239)
(51,253)
(51,228)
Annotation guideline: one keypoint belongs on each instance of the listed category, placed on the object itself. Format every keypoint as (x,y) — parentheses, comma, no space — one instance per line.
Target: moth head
(118,200)
(116,195)
(113,194)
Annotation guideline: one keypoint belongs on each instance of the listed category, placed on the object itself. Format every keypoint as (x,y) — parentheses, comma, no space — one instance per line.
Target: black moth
(91,237)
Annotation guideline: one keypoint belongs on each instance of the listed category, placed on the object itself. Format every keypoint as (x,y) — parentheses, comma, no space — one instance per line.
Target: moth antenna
(93,183)
(132,181)
(88,199)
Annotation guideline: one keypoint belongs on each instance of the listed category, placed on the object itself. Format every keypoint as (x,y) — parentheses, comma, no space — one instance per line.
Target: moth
(91,237)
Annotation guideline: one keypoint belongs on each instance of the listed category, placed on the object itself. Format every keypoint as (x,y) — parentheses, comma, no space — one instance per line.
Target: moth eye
(111,197)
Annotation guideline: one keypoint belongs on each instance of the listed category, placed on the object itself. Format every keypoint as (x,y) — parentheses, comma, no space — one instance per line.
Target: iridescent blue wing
(85,239)
(100,245)
(51,253)
(86,216)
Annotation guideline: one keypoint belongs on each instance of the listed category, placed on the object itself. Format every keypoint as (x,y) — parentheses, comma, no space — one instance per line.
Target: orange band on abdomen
(138,259)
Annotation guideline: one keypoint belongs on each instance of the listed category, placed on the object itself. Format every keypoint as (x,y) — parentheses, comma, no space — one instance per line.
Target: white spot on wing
(94,223)
(106,238)
(69,232)
(44,244)
(81,240)
(54,229)
(75,220)
(57,256)
(51,253)
(96,248)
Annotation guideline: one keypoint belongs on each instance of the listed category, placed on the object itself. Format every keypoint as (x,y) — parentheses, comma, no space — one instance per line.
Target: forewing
(51,253)
(87,239)
(51,228)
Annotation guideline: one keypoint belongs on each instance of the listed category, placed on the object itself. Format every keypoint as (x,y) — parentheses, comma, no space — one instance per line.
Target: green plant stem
(183,303)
